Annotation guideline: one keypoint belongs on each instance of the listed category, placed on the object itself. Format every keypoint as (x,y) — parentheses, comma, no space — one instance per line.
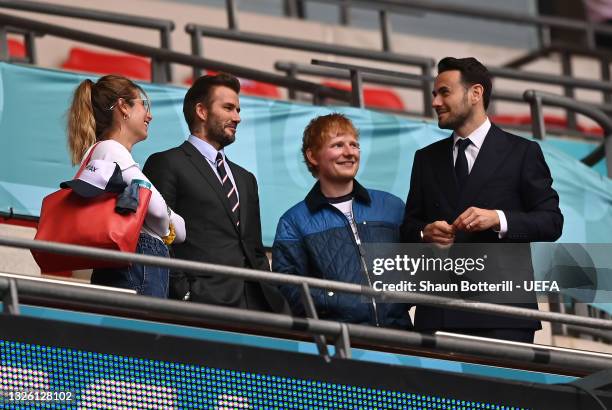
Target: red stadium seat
(259,89)
(250,87)
(16,48)
(131,66)
(375,97)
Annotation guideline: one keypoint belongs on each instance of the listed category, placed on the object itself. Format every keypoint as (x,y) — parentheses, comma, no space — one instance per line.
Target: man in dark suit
(480,185)
(218,200)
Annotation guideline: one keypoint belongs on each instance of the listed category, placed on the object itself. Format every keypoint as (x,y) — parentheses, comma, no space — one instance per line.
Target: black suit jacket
(509,174)
(191,188)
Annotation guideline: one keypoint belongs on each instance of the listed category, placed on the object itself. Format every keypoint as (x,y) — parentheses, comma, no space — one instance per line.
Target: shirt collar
(316,200)
(477,136)
(207,150)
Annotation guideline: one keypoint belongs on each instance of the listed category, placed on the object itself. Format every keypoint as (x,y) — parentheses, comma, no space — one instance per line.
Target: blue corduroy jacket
(314,239)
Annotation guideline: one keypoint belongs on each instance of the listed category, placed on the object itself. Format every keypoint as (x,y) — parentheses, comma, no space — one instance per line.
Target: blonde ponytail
(81,122)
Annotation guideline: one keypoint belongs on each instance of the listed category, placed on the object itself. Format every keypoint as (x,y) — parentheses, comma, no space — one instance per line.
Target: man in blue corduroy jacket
(323,235)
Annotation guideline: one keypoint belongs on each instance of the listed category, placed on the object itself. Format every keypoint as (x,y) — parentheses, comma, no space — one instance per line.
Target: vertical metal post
(316,97)
(568,90)
(343,343)
(294,8)
(158,71)
(30,45)
(4,51)
(10,299)
(232,15)
(608,151)
(427,88)
(165,43)
(311,312)
(385,29)
(537,118)
(544,35)
(344,13)
(300,7)
(292,73)
(604,65)
(356,89)
(196,49)
(590,37)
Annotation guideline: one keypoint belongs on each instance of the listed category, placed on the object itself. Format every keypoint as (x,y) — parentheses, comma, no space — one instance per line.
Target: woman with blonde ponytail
(114,114)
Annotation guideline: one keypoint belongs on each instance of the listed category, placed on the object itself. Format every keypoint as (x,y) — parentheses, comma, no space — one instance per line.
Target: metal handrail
(159,56)
(287,279)
(537,98)
(164,26)
(402,79)
(197,31)
(542,22)
(570,360)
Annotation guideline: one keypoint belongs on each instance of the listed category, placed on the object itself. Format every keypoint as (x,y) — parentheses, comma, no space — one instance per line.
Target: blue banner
(34,157)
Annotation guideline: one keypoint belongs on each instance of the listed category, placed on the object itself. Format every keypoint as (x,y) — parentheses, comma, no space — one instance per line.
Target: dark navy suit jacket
(509,174)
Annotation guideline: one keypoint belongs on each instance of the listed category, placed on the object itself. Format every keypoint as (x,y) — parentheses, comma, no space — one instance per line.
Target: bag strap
(86,161)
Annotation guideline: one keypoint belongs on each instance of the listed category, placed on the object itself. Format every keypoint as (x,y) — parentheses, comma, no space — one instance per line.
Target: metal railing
(357,73)
(414,81)
(295,8)
(160,57)
(410,7)
(424,64)
(538,98)
(341,333)
(164,26)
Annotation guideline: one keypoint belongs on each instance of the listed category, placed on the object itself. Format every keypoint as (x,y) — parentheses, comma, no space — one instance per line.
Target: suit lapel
(201,164)
(445,172)
(241,187)
(491,155)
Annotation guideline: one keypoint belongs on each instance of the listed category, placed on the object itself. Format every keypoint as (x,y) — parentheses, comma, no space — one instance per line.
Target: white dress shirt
(210,153)
(477,138)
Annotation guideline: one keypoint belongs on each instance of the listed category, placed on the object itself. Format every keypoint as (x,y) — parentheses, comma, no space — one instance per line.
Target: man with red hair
(323,235)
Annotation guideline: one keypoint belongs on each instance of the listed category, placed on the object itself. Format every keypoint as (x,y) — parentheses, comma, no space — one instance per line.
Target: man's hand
(439,232)
(476,219)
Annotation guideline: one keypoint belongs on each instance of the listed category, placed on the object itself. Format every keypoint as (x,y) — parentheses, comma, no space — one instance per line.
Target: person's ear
(311,158)
(201,111)
(124,108)
(477,91)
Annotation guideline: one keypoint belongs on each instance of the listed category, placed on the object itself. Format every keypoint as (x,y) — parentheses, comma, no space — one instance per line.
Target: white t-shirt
(346,207)
(157,221)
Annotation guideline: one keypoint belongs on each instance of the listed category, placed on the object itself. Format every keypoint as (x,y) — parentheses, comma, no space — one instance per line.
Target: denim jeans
(145,280)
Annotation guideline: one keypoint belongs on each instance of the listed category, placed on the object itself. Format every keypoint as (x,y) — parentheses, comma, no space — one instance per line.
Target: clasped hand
(471,220)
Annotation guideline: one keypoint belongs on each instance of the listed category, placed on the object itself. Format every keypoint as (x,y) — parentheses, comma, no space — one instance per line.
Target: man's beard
(215,130)
(454,122)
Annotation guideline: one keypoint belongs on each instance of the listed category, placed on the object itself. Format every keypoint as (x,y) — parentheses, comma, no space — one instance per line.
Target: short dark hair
(201,92)
(472,72)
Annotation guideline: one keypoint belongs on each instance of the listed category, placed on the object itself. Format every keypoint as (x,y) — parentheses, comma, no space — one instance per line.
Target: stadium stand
(16,48)
(200,356)
(375,97)
(90,61)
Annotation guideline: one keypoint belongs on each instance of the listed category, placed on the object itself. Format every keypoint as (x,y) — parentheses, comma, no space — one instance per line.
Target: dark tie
(461,164)
(229,189)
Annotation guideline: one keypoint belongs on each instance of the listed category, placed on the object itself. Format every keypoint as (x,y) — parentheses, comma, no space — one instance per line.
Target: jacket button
(364,222)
